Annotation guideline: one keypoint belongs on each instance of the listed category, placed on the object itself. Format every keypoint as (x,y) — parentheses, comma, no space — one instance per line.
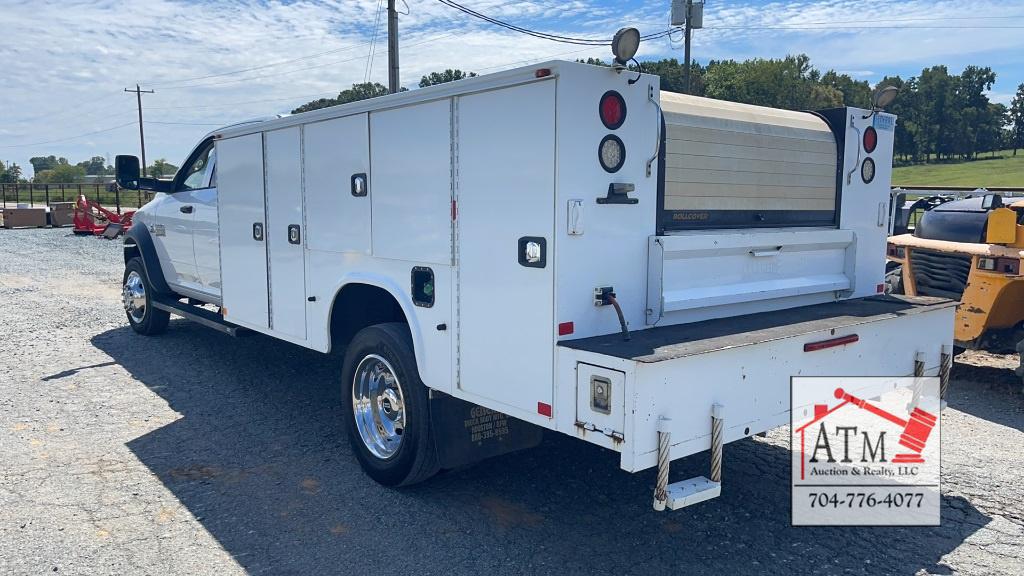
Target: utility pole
(392,48)
(142,137)
(690,15)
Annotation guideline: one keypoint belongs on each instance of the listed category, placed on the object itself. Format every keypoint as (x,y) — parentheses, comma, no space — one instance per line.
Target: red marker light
(542,72)
(813,346)
(566,328)
(544,409)
(870,139)
(612,110)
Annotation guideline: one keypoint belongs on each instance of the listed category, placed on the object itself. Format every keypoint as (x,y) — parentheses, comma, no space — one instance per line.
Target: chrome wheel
(133,296)
(378,406)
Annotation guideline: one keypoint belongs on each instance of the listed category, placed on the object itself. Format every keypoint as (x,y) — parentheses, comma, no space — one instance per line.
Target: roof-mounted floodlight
(625,43)
(884,96)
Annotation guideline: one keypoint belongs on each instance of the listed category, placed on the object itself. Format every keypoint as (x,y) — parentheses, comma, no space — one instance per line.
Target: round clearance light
(612,153)
(870,139)
(867,170)
(625,43)
(612,110)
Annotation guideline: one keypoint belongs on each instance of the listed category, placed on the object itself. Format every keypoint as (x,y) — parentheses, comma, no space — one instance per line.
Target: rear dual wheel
(386,407)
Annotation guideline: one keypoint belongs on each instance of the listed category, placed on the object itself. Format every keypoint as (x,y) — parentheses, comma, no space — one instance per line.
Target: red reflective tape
(812,346)
(544,409)
(566,328)
(880,288)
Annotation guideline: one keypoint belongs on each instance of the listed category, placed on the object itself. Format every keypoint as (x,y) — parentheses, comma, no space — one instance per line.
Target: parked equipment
(91,218)
(968,250)
(497,257)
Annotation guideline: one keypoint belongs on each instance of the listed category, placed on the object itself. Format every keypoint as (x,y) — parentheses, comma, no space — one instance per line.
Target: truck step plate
(692,491)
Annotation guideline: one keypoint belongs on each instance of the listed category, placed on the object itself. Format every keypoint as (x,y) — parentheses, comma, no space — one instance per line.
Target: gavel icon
(915,431)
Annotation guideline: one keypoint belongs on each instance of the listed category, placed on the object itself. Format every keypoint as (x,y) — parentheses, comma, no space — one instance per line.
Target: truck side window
(197,170)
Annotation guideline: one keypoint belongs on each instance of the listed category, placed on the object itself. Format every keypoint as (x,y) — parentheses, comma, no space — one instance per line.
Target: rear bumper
(744,364)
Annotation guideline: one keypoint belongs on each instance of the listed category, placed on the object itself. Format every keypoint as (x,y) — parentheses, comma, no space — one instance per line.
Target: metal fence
(44,194)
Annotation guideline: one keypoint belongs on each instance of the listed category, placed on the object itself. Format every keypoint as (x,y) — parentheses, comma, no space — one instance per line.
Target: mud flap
(465,433)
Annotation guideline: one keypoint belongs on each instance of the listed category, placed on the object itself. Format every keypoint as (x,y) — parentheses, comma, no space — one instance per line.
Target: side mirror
(127,170)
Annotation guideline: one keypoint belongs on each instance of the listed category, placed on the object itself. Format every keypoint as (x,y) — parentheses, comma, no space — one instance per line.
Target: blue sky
(212,63)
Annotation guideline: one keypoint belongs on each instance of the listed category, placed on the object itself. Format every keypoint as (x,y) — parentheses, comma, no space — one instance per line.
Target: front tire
(386,407)
(137,296)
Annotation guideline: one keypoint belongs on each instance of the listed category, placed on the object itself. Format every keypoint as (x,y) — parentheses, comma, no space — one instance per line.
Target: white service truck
(560,246)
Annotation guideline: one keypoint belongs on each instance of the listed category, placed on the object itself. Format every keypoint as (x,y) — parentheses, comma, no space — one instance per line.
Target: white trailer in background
(559,247)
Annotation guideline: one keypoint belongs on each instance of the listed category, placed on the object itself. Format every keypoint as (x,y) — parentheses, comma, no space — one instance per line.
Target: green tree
(789,83)
(95,166)
(1017,120)
(448,75)
(854,93)
(989,131)
(62,173)
(40,163)
(357,92)
(938,112)
(10,174)
(161,168)
(905,107)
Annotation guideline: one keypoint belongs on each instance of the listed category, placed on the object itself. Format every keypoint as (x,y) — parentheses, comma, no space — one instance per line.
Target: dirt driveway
(194,453)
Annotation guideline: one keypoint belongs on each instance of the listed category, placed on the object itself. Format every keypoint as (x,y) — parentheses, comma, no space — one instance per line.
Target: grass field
(1004,170)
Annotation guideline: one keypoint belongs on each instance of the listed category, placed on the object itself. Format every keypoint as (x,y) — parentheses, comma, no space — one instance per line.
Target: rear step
(199,315)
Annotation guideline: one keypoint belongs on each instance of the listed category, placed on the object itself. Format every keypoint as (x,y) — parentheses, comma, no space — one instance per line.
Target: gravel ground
(196,453)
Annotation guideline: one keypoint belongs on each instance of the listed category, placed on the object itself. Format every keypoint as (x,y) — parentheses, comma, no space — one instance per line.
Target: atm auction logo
(865,451)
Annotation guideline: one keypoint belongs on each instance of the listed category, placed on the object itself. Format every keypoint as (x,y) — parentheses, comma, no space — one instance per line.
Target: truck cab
(183,222)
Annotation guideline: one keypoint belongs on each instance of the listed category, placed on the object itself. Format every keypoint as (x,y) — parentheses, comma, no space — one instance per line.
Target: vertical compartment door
(506,197)
(242,217)
(336,159)
(286,233)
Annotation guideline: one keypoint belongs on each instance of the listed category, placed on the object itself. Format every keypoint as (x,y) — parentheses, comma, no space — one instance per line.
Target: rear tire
(894,281)
(386,407)
(137,296)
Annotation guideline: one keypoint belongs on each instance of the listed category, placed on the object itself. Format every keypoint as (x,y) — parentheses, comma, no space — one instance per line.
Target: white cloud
(72,58)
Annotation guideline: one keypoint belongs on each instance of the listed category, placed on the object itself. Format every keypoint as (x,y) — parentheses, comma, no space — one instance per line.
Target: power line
(912,19)
(175,82)
(69,137)
(807,27)
(373,43)
(188,123)
(424,41)
(233,104)
(544,35)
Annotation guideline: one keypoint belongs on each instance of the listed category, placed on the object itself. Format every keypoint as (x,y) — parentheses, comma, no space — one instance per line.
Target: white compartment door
(242,217)
(286,232)
(506,196)
(336,156)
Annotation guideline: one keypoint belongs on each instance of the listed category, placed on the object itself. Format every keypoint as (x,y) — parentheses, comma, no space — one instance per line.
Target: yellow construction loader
(967,250)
